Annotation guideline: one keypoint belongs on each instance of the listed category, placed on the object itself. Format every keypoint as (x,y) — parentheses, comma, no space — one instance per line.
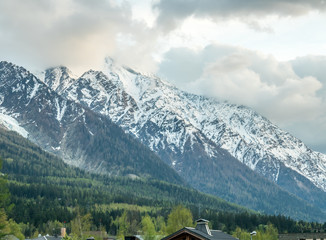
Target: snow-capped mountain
(177,125)
(78,135)
(164,118)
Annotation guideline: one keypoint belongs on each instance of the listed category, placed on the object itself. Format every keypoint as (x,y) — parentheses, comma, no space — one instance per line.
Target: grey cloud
(172,12)
(176,61)
(241,76)
(41,33)
(186,65)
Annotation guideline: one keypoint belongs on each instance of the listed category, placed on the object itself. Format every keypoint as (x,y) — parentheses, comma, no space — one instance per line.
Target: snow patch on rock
(11,124)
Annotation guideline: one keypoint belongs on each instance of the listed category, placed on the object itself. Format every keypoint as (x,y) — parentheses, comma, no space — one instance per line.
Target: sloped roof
(202,220)
(10,237)
(216,234)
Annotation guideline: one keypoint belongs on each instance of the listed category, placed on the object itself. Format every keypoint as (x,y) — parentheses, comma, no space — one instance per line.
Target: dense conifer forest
(41,194)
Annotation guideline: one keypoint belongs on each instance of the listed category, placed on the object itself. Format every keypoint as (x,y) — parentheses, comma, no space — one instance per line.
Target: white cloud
(249,78)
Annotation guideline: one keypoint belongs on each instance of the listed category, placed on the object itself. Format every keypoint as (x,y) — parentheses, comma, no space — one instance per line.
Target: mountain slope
(34,173)
(246,135)
(78,135)
(173,124)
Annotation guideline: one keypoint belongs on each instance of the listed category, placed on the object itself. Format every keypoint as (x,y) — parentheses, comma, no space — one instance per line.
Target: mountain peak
(246,135)
(93,73)
(58,78)
(10,73)
(13,67)
(7,64)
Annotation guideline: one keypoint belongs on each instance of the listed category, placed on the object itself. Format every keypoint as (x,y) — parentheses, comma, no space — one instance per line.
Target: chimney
(202,225)
(63,232)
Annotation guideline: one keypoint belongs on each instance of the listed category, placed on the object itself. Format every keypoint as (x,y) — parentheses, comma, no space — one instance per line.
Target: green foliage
(4,197)
(180,217)
(160,226)
(4,191)
(15,229)
(52,228)
(263,232)
(148,228)
(241,234)
(81,224)
(268,232)
(67,237)
(122,224)
(4,227)
(7,227)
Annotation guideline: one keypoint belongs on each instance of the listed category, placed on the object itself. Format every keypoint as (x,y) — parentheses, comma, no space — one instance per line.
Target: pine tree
(4,201)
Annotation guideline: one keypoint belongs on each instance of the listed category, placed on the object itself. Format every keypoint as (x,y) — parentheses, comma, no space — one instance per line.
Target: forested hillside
(47,194)
(44,188)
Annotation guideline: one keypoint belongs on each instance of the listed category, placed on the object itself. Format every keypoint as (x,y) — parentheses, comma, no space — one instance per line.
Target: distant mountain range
(218,148)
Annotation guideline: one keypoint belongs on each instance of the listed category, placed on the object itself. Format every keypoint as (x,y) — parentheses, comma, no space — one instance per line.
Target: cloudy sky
(269,55)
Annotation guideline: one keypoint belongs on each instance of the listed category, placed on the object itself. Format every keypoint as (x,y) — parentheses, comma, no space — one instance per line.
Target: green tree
(4,202)
(122,224)
(264,232)
(271,232)
(4,191)
(160,226)
(267,232)
(15,229)
(4,227)
(67,237)
(179,217)
(241,234)
(80,225)
(53,227)
(7,226)
(148,228)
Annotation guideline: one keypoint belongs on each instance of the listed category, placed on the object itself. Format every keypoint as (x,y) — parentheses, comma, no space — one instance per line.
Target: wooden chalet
(201,232)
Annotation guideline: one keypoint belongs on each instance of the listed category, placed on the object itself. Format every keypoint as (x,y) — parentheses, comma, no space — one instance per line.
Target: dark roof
(216,234)
(133,237)
(202,220)
(10,237)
